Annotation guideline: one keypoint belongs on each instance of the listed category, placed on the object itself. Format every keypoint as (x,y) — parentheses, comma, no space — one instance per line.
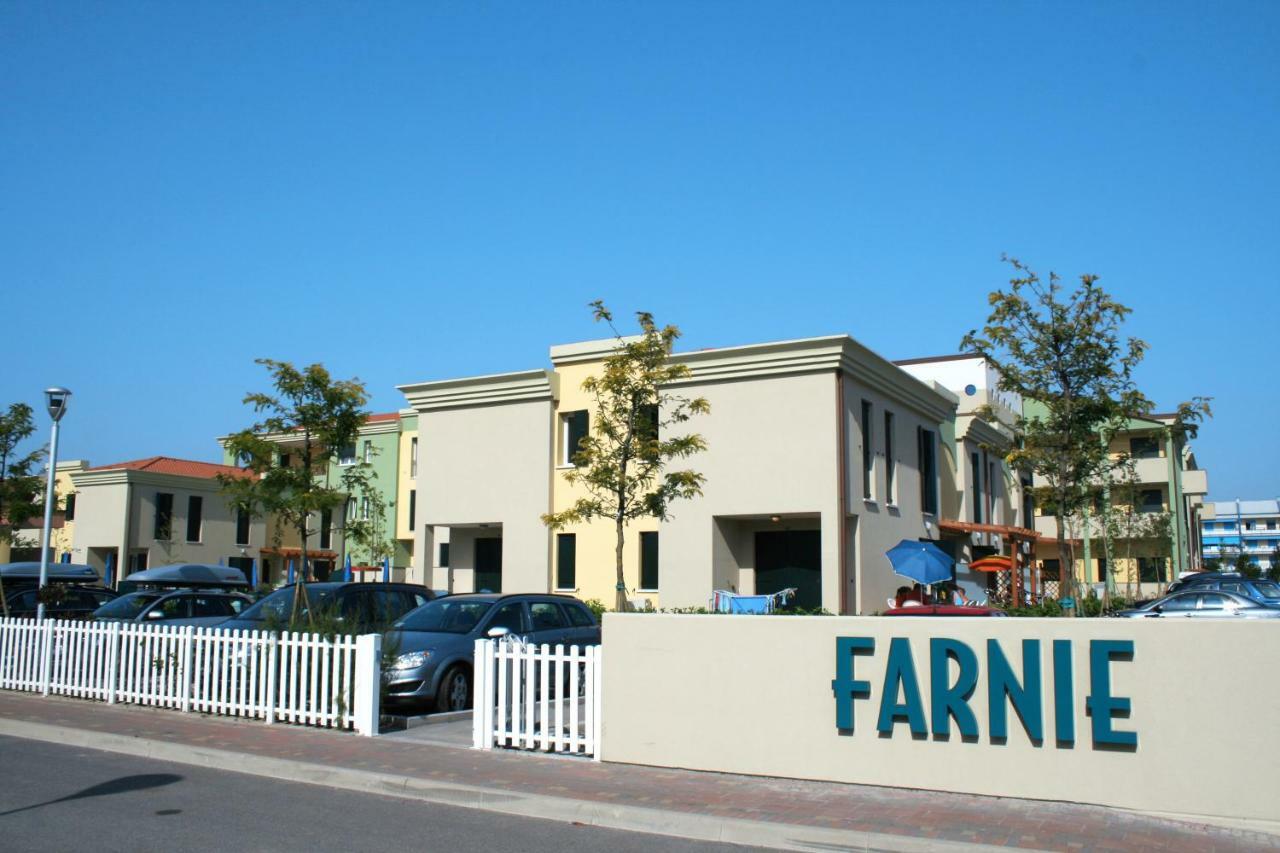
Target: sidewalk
(778,813)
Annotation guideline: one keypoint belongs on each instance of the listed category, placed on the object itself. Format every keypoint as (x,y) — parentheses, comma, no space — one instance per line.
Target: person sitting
(959,598)
(904,592)
(910,597)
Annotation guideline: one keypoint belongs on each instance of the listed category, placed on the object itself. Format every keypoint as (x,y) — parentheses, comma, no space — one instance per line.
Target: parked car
(364,607)
(1189,579)
(182,607)
(944,610)
(1196,603)
(1260,590)
(435,644)
(185,576)
(78,602)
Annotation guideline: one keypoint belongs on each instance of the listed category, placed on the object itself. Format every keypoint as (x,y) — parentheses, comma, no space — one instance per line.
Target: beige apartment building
(822,456)
(1154,510)
(160,510)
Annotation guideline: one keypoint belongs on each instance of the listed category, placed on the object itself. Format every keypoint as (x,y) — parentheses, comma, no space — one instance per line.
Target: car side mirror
(497,632)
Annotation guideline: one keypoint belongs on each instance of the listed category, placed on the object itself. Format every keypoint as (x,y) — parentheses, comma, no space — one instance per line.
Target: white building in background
(1229,528)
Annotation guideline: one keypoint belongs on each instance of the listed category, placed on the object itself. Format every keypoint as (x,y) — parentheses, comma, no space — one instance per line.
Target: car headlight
(411,660)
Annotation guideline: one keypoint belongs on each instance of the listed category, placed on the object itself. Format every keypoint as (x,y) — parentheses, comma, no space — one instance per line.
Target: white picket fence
(537,697)
(287,677)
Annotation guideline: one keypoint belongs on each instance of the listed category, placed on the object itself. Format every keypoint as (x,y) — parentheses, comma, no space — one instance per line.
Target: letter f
(844,686)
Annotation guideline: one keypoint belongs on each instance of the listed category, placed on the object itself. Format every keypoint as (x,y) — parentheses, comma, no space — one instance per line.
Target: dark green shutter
(649,560)
(566,561)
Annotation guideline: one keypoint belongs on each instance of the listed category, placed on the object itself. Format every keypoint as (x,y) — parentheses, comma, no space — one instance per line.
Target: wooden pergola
(1015,535)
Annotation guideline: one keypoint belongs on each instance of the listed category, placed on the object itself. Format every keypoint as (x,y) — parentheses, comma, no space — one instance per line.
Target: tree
(307,422)
(622,462)
(368,530)
(1062,353)
(1273,571)
(19,481)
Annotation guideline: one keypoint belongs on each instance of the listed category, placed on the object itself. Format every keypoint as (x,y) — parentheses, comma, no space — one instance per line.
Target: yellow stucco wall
(596,541)
(405,484)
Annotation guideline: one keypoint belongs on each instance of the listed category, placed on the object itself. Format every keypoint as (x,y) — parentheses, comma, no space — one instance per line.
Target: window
(364,509)
(195,508)
(566,561)
(1150,569)
(888,457)
(286,460)
(242,527)
(138,561)
(574,429)
(1151,500)
(326,529)
(1213,601)
(647,422)
(928,472)
(511,617)
(413,456)
(413,507)
(347,455)
(546,616)
(1028,502)
(1102,569)
(991,492)
(70,513)
(1051,569)
(868,469)
(975,466)
(579,616)
(1180,602)
(1144,447)
(368,451)
(444,555)
(649,561)
(164,515)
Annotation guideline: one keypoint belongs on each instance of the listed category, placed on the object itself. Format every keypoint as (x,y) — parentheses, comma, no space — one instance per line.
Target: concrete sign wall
(1159,717)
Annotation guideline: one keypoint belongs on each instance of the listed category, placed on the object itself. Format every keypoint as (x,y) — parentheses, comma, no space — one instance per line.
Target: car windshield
(279,604)
(1269,589)
(447,615)
(126,606)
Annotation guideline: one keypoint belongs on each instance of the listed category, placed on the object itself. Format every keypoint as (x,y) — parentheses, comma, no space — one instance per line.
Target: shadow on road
(123,785)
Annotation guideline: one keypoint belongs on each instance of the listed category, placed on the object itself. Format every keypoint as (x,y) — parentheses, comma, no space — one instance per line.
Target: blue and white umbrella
(922,562)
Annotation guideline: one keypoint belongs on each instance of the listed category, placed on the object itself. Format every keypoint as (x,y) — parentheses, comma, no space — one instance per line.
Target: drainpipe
(842,488)
(1175,532)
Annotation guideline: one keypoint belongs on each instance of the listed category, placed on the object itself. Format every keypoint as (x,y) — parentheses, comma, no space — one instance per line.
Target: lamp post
(56,399)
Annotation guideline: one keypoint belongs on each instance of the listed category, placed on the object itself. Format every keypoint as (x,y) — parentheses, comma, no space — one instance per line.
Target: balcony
(1152,470)
(1195,482)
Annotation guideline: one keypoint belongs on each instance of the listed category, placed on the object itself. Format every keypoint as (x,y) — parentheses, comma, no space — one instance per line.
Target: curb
(778,836)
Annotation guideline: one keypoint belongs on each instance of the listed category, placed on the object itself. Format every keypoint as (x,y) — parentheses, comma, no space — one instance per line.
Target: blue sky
(416,191)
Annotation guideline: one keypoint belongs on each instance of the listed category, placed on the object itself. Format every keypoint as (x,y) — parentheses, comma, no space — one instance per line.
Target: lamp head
(56,399)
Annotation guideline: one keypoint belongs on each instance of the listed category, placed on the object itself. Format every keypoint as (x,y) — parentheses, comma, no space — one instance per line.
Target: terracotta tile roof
(384,416)
(181,467)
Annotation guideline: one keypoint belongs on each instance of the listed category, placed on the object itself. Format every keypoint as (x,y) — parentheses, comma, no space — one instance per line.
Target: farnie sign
(954,673)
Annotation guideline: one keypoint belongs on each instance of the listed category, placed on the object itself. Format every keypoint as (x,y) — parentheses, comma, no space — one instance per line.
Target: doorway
(489,565)
(790,558)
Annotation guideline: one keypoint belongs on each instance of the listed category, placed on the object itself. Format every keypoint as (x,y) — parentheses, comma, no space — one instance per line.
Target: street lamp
(56,400)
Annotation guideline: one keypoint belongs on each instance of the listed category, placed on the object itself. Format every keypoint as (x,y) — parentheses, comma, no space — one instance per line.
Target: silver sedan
(1203,604)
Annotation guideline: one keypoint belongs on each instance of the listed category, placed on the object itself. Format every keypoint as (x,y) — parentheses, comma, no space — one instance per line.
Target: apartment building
(62,522)
(822,455)
(386,442)
(1231,528)
(151,512)
(1153,507)
(986,508)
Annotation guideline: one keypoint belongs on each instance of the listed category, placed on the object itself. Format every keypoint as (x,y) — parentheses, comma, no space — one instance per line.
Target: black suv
(77,602)
(367,607)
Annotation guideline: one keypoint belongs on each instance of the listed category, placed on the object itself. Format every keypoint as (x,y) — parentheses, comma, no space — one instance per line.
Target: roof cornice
(588,351)
(521,387)
(120,476)
(984,432)
(819,355)
(380,427)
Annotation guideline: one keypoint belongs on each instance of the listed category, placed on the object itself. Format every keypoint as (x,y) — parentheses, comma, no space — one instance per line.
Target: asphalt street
(56,798)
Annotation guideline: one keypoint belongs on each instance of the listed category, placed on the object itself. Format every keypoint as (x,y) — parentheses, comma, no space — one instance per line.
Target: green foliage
(622,463)
(1090,606)
(1214,564)
(1273,572)
(19,478)
(597,607)
(1063,354)
(1245,565)
(311,417)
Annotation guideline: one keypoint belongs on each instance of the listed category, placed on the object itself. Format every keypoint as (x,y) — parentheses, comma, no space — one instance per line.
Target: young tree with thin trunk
(622,462)
(306,423)
(1063,354)
(19,481)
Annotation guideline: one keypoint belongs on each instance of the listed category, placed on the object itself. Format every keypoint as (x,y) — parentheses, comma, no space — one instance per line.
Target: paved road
(60,798)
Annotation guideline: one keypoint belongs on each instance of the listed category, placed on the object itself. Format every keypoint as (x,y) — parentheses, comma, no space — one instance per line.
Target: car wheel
(454,693)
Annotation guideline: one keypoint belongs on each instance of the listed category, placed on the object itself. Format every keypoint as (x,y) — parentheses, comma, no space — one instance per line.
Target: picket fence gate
(286,677)
(544,698)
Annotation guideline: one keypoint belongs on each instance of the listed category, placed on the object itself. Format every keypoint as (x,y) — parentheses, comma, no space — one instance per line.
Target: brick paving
(919,814)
